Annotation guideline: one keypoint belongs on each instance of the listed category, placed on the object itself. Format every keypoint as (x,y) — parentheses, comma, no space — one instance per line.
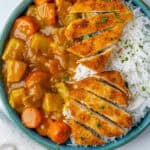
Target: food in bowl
(41,61)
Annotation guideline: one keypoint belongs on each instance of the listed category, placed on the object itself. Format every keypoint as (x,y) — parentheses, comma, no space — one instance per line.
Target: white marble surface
(11,134)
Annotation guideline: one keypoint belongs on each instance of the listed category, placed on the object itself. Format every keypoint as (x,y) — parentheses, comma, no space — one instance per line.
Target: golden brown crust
(97,63)
(100,125)
(115,78)
(97,6)
(83,136)
(103,90)
(82,27)
(104,108)
(97,43)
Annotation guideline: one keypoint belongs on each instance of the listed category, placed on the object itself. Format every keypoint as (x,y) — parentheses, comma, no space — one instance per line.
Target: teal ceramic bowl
(45,141)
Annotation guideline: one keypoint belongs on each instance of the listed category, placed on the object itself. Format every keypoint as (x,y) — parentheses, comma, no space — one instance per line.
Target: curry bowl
(45,141)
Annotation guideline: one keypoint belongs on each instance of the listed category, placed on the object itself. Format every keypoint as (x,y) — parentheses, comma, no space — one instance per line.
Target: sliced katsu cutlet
(96,23)
(114,78)
(115,114)
(103,90)
(97,43)
(84,6)
(83,136)
(97,62)
(96,123)
(81,27)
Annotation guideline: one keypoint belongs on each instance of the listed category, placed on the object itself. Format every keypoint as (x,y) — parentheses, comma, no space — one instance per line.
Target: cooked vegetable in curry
(44,48)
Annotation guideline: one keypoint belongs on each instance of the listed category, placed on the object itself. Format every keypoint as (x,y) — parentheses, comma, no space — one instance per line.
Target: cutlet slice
(94,122)
(81,27)
(103,90)
(115,114)
(97,62)
(114,78)
(96,23)
(97,43)
(84,6)
(83,136)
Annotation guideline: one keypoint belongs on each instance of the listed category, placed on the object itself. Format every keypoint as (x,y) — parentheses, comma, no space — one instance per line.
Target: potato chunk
(52,103)
(63,90)
(40,42)
(15,99)
(15,70)
(13,49)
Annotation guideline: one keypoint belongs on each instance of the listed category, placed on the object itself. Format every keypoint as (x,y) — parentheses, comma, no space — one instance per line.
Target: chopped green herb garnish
(65,77)
(126,42)
(107,0)
(124,59)
(140,46)
(126,84)
(102,107)
(91,113)
(87,36)
(108,29)
(131,46)
(98,125)
(104,19)
(120,21)
(116,14)
(82,138)
(126,46)
(96,22)
(143,88)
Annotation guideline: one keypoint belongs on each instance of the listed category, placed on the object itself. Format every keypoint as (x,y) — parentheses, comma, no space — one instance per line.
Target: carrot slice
(59,132)
(37,77)
(24,27)
(40,2)
(32,117)
(43,128)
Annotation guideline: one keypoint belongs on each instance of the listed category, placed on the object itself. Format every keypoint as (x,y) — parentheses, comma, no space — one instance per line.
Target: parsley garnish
(96,22)
(87,36)
(126,42)
(104,19)
(140,46)
(143,88)
(65,77)
(125,59)
(82,138)
(98,125)
(107,0)
(131,46)
(108,29)
(120,21)
(102,107)
(116,14)
(126,84)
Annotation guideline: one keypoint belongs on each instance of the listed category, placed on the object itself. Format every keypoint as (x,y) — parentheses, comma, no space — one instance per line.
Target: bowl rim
(45,141)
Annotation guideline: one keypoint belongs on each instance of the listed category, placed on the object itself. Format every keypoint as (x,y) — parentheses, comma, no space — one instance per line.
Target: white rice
(132,58)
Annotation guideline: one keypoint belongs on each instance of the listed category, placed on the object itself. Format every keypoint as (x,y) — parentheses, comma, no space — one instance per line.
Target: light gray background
(142,142)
